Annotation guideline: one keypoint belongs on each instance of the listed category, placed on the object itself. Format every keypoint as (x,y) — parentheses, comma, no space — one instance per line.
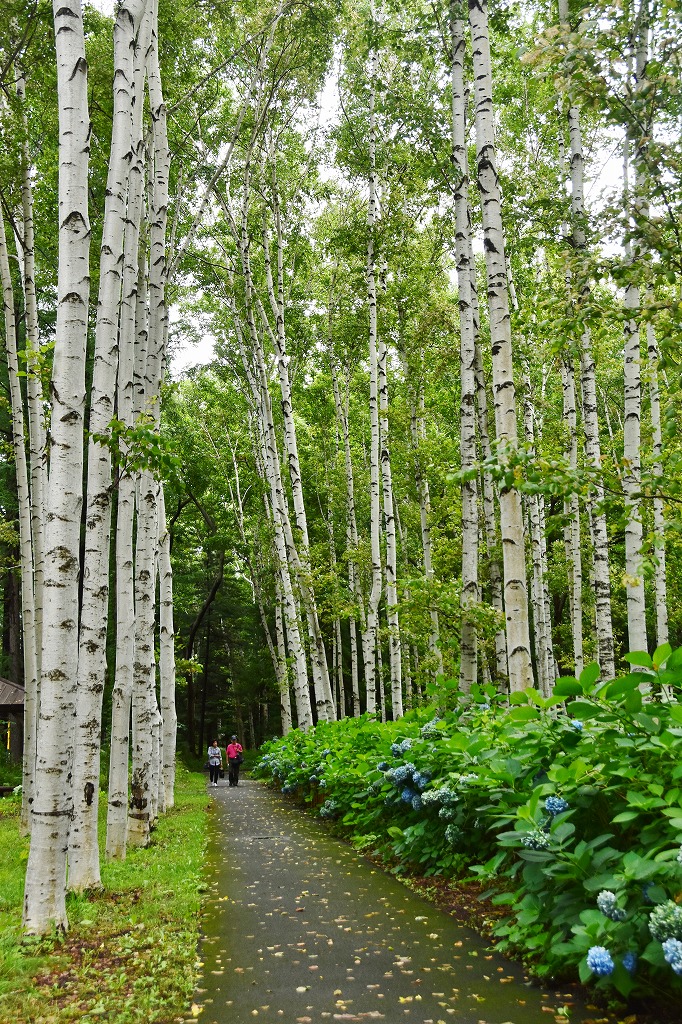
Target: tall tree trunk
(511,512)
(392,614)
(169,718)
(660,573)
(375,507)
(572,512)
(44,900)
(468,671)
(600,543)
(25,535)
(84,869)
(133,334)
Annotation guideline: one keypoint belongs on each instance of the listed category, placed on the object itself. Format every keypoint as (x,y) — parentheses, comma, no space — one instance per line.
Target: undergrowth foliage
(569,808)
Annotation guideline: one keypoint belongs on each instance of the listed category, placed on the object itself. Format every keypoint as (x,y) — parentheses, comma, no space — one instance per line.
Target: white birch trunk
(511,513)
(44,900)
(468,671)
(370,638)
(28,615)
(169,718)
(600,566)
(392,614)
(131,400)
(660,572)
(572,511)
(84,868)
(282,670)
(325,705)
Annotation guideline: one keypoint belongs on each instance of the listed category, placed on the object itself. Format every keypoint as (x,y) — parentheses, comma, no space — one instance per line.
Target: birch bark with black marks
(84,867)
(572,515)
(596,515)
(511,512)
(45,891)
(468,672)
(28,611)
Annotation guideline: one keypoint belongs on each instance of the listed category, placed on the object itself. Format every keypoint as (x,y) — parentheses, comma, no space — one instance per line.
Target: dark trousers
(233,772)
(214,772)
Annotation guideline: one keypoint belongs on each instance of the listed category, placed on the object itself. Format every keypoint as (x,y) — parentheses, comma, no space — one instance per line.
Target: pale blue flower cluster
(289,787)
(672,953)
(555,805)
(466,779)
(383,766)
(679,855)
(329,809)
(452,834)
(535,840)
(326,753)
(444,796)
(322,783)
(630,962)
(402,774)
(398,749)
(607,903)
(447,813)
(577,724)
(417,802)
(430,730)
(421,779)
(665,921)
(600,961)
(407,794)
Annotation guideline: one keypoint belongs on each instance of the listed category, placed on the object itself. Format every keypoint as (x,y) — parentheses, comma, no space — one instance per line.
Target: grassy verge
(130,954)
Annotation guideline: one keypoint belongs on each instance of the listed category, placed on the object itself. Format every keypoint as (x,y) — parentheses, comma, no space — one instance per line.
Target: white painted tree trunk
(84,868)
(44,900)
(391,568)
(600,543)
(28,616)
(572,511)
(468,671)
(511,512)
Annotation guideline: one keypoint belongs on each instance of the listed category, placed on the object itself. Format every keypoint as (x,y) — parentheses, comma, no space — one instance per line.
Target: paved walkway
(301,929)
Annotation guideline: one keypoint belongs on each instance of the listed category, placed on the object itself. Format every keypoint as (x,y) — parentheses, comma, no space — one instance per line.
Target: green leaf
(661,655)
(639,658)
(567,687)
(589,676)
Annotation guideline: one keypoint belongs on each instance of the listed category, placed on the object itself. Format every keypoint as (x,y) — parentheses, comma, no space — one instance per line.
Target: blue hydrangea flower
(607,903)
(396,749)
(322,783)
(431,729)
(672,952)
(447,813)
(600,961)
(329,809)
(383,766)
(679,855)
(421,779)
(466,779)
(555,805)
(407,795)
(416,802)
(535,840)
(629,962)
(326,753)
(577,724)
(313,778)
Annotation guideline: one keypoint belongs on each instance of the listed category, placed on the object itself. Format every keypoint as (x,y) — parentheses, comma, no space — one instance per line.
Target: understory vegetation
(567,808)
(130,954)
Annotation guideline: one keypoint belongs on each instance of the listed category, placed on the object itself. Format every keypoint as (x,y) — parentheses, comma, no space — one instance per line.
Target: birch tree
(44,902)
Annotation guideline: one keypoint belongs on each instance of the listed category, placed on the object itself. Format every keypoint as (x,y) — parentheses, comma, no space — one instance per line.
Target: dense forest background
(338,475)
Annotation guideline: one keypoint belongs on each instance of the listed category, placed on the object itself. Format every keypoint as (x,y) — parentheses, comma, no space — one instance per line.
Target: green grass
(130,954)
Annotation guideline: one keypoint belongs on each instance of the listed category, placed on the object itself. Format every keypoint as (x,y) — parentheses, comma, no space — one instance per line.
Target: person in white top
(215,762)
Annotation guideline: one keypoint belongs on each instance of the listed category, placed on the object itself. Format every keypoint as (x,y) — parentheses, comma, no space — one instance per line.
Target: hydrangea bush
(568,809)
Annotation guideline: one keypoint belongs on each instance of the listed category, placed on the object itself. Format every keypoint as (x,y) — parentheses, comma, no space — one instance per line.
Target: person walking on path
(235,756)
(215,762)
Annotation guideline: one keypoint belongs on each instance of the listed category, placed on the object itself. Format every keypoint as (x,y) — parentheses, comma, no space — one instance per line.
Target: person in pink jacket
(235,756)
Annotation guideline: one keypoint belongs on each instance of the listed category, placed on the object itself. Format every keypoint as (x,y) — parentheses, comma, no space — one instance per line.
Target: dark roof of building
(11,693)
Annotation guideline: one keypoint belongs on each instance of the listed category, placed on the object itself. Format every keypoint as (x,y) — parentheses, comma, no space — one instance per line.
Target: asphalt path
(302,929)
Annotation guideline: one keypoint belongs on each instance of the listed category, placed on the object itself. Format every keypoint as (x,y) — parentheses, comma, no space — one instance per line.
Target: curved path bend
(299,928)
